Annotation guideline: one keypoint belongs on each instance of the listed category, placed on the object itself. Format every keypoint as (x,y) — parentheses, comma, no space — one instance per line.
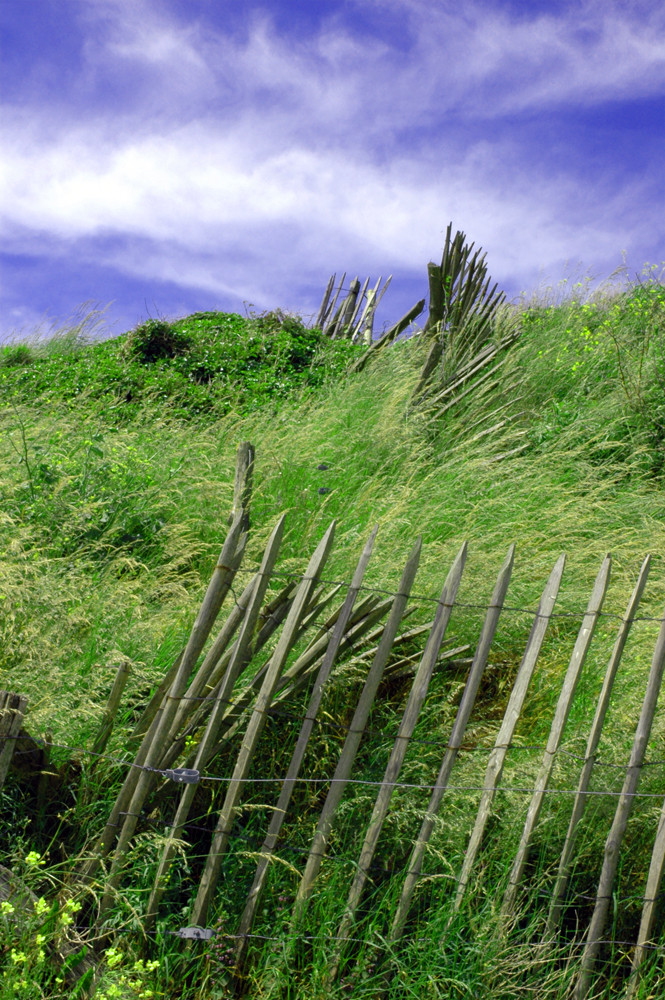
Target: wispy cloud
(249,164)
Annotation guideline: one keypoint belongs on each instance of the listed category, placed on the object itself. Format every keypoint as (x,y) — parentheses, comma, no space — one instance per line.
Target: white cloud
(245,164)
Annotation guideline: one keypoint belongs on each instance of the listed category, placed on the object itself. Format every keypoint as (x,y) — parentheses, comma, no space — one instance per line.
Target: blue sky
(167,156)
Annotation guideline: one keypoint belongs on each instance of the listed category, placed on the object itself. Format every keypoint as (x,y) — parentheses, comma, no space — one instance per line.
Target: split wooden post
(513,710)
(414,866)
(348,310)
(351,326)
(279,813)
(242,486)
(255,727)
(352,742)
(363,323)
(218,654)
(579,805)
(329,319)
(561,714)
(108,719)
(323,309)
(141,777)
(12,713)
(649,907)
(237,662)
(388,336)
(407,725)
(366,325)
(435,316)
(621,816)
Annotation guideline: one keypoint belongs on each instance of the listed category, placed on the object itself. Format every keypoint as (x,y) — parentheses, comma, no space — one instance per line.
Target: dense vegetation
(116,479)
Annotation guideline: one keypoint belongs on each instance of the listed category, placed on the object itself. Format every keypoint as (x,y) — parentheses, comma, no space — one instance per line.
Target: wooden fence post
(141,777)
(558,893)
(255,726)
(407,725)
(513,709)
(279,813)
(12,712)
(237,662)
(623,810)
(561,714)
(108,719)
(414,866)
(352,742)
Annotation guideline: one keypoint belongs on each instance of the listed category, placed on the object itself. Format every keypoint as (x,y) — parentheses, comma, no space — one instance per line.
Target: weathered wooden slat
(407,725)
(580,802)
(151,709)
(414,866)
(106,724)
(368,318)
(323,308)
(242,486)
(293,771)
(216,659)
(354,736)
(435,315)
(513,710)
(305,665)
(236,664)
(274,614)
(621,816)
(140,780)
(363,325)
(330,317)
(656,867)
(12,713)
(388,336)
(341,327)
(255,727)
(561,714)
(351,327)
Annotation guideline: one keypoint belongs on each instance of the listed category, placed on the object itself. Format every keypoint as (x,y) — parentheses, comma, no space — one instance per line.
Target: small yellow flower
(113,958)
(6,908)
(34,859)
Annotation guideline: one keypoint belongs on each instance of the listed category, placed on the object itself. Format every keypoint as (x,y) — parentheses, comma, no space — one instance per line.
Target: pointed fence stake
(352,742)
(407,725)
(621,816)
(649,908)
(565,862)
(561,714)
(454,743)
(140,778)
(237,662)
(255,726)
(279,814)
(511,715)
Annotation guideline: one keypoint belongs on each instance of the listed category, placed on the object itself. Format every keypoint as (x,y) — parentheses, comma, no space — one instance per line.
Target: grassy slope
(112,515)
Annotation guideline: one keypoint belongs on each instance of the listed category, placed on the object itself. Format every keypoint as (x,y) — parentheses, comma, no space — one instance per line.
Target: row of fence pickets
(198,700)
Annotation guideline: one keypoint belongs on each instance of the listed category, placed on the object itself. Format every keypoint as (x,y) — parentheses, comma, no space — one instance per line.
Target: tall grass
(110,522)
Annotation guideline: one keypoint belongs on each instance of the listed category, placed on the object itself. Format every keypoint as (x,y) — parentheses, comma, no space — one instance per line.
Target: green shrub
(16,356)
(155,340)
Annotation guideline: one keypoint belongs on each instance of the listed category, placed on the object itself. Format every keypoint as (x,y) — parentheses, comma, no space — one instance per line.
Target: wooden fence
(205,698)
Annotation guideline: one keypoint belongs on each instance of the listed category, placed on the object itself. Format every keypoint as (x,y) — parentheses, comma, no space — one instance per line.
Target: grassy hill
(116,480)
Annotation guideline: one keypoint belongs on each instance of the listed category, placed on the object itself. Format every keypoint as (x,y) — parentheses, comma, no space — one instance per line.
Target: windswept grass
(114,499)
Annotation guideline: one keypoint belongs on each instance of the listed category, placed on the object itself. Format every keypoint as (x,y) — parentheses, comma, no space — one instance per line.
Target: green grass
(116,479)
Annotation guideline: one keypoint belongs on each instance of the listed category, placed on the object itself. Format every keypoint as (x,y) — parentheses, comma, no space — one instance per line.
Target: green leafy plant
(155,340)
(16,356)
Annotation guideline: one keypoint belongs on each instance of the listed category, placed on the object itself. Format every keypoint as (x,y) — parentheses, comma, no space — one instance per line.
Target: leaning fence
(270,655)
